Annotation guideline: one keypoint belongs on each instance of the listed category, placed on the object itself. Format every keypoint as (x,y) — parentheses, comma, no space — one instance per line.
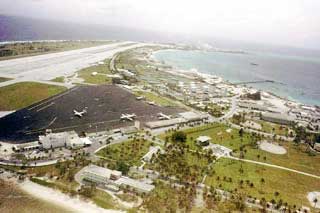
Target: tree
(123,167)
(241,131)
(315,200)
(179,136)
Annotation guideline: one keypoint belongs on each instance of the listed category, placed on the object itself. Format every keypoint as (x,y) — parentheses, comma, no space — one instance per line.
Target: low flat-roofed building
(99,174)
(203,140)
(136,185)
(193,116)
(27,146)
(277,118)
(164,123)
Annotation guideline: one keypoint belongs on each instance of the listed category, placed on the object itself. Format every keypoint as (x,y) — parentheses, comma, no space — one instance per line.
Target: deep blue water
(297,77)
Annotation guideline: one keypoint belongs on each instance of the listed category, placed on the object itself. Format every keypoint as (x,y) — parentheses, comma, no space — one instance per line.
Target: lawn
(158,99)
(101,69)
(20,95)
(273,128)
(218,133)
(292,187)
(296,157)
(58,79)
(129,152)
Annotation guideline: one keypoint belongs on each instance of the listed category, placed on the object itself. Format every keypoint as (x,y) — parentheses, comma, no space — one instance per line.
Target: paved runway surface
(49,66)
(104,105)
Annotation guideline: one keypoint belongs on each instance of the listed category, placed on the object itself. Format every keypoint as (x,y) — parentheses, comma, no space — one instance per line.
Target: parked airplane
(79,114)
(129,117)
(151,103)
(162,116)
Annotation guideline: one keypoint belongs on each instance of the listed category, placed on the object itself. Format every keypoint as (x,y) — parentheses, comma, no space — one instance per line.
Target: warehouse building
(277,118)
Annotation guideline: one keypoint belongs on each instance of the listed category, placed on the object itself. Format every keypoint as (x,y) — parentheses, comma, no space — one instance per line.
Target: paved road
(49,66)
(274,166)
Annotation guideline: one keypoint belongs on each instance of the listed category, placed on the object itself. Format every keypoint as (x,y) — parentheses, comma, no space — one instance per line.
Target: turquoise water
(297,77)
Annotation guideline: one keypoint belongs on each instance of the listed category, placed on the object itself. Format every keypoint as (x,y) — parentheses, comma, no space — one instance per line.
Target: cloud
(285,21)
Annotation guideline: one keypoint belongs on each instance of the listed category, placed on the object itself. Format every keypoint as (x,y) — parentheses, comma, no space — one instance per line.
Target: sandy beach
(58,198)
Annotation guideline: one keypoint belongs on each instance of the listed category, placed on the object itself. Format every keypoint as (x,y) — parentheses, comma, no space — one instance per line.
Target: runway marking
(54,98)
(52,103)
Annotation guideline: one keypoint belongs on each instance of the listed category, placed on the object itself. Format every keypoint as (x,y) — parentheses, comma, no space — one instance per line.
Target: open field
(296,157)
(20,95)
(18,50)
(292,187)
(12,200)
(58,79)
(273,128)
(101,69)
(129,152)
(158,99)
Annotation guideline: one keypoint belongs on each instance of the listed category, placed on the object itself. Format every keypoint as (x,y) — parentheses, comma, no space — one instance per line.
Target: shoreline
(60,199)
(178,71)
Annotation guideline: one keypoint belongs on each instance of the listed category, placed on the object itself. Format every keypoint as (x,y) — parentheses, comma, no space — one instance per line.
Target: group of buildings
(55,140)
(113,180)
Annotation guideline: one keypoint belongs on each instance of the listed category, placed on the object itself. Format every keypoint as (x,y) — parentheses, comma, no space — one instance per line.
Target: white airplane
(129,117)
(151,103)
(162,116)
(79,114)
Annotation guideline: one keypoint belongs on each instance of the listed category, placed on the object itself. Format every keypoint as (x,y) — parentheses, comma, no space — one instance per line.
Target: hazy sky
(287,22)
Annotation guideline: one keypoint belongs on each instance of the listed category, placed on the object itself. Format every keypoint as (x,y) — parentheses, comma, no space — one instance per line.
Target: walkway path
(274,166)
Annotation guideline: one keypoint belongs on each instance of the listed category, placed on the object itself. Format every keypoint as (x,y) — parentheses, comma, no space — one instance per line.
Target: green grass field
(101,69)
(129,152)
(20,95)
(293,188)
(296,157)
(58,79)
(158,99)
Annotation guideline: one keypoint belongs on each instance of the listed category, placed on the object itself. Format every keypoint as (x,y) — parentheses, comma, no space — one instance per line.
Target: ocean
(296,77)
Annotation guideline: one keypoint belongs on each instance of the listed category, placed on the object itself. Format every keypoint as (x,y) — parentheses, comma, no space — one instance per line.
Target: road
(46,67)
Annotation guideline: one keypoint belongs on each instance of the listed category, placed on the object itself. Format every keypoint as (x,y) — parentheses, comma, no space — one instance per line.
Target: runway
(45,67)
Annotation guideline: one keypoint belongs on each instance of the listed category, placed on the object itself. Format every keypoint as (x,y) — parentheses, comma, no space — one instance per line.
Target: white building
(277,118)
(63,139)
(203,140)
(113,180)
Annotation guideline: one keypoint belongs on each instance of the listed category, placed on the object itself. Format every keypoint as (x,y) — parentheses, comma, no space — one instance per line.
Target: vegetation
(58,79)
(12,199)
(298,156)
(168,199)
(20,95)
(158,99)
(261,182)
(102,71)
(129,153)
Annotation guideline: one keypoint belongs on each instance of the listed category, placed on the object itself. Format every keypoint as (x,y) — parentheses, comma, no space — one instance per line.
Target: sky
(285,22)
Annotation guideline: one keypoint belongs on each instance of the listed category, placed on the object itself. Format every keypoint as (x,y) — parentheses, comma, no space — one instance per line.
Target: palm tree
(315,200)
